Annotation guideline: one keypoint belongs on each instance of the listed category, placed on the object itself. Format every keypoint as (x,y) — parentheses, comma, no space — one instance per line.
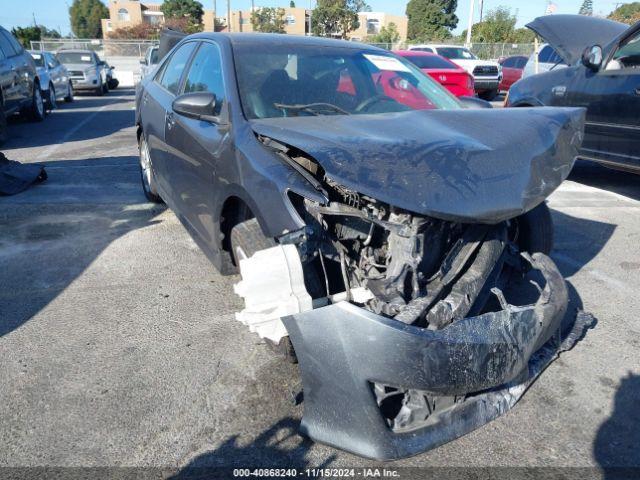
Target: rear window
(549,55)
(456,53)
(428,61)
(75,57)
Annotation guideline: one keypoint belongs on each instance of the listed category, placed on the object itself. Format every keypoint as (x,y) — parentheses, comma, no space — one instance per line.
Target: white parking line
(54,148)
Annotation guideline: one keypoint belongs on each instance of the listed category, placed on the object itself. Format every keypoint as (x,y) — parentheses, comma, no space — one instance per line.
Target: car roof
(280,39)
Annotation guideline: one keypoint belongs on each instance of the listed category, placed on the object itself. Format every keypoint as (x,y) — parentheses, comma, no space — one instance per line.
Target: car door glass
(545,53)
(175,67)
(509,63)
(14,43)
(6,46)
(205,74)
(628,54)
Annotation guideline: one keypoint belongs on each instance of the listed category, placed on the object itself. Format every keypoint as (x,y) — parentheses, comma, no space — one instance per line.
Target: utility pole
(481,9)
(471,7)
(214,14)
(310,15)
(229,29)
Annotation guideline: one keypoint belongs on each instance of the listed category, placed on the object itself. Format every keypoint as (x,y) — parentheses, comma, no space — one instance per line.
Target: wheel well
(139,133)
(234,211)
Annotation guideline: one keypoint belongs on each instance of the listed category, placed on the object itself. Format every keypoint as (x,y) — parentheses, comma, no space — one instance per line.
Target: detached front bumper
(491,359)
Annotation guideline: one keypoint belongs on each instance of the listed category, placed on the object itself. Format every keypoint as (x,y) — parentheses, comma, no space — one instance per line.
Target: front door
(612,99)
(156,102)
(196,147)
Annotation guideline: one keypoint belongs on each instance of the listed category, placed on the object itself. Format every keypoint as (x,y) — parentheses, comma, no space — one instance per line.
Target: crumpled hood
(460,165)
(571,34)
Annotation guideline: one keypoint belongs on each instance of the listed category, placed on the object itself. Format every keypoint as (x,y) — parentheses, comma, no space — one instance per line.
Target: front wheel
(535,230)
(52,102)
(147,175)
(69,97)
(36,111)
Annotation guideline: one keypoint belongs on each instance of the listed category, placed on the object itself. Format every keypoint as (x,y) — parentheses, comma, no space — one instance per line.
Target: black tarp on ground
(15,177)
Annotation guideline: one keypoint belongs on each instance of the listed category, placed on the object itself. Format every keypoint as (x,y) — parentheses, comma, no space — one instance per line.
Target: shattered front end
(413,326)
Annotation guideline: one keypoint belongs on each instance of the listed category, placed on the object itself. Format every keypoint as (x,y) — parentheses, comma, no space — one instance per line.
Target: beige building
(296,21)
(372,22)
(127,13)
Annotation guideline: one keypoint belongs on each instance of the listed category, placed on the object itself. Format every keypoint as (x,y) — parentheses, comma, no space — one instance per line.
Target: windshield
(75,57)
(456,53)
(430,61)
(39,59)
(294,80)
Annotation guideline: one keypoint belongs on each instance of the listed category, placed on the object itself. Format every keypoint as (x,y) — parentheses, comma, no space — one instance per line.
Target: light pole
(215,8)
(471,6)
(310,15)
(229,15)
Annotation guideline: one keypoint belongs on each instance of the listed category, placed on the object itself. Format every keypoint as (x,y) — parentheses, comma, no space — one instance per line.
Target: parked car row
(33,82)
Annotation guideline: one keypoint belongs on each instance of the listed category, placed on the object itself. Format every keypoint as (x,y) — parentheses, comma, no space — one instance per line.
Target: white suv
(486,74)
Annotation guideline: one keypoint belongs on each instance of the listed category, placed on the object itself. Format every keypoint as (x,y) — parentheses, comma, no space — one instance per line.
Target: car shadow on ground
(52,232)
(615,447)
(594,175)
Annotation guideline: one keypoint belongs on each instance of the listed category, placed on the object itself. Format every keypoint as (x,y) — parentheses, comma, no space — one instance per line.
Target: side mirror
(199,105)
(592,57)
(474,103)
(143,61)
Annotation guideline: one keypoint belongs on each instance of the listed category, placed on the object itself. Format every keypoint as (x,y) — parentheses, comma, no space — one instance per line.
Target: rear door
(196,148)
(612,99)
(155,106)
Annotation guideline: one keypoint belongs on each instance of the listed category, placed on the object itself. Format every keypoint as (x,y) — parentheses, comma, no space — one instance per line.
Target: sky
(54,13)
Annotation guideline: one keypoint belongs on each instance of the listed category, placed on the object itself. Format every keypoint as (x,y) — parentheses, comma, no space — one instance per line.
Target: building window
(290,20)
(373,26)
(123,15)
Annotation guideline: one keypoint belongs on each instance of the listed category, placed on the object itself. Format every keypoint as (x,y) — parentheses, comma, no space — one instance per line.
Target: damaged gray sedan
(391,240)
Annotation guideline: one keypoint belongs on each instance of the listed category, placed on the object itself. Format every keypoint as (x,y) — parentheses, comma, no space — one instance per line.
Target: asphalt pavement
(119,347)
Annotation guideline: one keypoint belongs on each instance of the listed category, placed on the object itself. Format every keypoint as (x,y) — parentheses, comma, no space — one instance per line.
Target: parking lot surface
(119,347)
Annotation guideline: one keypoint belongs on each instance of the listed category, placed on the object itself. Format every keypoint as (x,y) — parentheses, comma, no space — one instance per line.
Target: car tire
(247,239)
(36,111)
(105,88)
(69,97)
(535,230)
(489,95)
(100,90)
(51,100)
(147,175)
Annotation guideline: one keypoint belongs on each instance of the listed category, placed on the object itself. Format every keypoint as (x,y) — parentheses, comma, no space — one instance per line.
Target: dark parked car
(376,240)
(512,68)
(603,76)
(19,84)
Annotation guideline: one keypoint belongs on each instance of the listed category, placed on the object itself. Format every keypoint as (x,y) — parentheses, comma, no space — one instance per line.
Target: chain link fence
(484,51)
(123,55)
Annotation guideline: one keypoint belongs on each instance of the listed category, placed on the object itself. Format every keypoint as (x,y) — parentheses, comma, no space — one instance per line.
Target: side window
(205,74)
(545,54)
(172,71)
(522,62)
(5,45)
(628,54)
(14,43)
(509,63)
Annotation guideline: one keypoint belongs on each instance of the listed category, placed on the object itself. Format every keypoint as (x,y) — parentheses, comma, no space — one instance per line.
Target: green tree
(180,11)
(49,32)
(496,27)
(337,17)
(586,8)
(388,34)
(628,13)
(268,20)
(292,4)
(26,35)
(431,19)
(86,16)
(523,35)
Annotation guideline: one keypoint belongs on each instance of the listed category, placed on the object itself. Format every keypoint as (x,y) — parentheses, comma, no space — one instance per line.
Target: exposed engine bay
(411,268)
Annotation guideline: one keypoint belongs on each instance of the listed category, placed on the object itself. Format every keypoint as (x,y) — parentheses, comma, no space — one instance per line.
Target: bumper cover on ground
(343,350)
